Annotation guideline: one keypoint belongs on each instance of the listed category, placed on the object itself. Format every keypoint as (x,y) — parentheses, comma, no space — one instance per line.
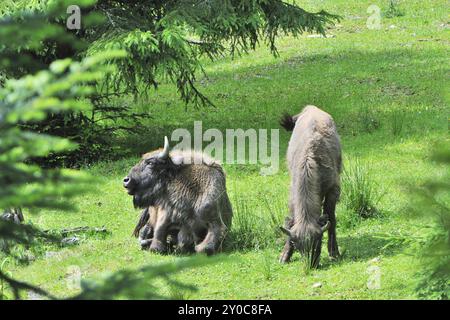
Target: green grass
(386,91)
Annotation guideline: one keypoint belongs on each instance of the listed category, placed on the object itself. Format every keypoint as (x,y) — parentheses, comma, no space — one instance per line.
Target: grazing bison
(314,161)
(187,191)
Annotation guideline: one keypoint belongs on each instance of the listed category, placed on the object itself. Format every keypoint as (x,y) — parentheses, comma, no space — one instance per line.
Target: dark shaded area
(366,247)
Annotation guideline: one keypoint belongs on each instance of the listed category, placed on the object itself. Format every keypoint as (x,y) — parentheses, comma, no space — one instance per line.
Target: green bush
(63,89)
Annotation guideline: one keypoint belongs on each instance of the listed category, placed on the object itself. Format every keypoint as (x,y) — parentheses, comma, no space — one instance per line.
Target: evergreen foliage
(65,88)
(431,200)
(164,40)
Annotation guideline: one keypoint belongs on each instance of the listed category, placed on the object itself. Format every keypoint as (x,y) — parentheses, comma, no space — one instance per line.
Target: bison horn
(165,153)
(325,227)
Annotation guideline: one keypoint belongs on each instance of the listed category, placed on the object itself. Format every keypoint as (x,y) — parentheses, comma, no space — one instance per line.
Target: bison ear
(165,153)
(285,231)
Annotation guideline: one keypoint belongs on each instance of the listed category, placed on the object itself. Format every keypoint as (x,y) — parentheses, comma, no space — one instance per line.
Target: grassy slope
(360,76)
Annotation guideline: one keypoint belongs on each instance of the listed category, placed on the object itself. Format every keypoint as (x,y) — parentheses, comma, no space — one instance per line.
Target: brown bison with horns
(183,194)
(314,161)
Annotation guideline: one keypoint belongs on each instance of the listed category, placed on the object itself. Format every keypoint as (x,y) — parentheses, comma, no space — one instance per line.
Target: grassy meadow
(387,90)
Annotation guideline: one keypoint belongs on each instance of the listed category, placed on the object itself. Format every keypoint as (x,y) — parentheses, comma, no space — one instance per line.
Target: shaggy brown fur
(314,161)
(190,189)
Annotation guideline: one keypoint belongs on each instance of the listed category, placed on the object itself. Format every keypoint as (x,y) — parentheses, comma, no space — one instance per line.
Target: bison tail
(287,122)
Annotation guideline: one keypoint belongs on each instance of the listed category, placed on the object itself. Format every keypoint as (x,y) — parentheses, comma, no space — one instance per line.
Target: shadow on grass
(362,248)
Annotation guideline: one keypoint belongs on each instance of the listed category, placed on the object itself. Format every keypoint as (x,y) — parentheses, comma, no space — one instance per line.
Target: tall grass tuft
(306,260)
(360,193)
(177,293)
(368,120)
(397,121)
(393,10)
(266,265)
(255,221)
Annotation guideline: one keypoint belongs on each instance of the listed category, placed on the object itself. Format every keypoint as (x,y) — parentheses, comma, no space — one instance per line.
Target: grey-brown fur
(314,161)
(145,229)
(190,189)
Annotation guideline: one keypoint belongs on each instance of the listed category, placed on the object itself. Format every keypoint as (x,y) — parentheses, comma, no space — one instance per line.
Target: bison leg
(287,252)
(213,239)
(185,240)
(145,236)
(143,229)
(329,209)
(159,242)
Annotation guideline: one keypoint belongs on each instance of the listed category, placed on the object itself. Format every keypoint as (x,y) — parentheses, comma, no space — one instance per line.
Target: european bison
(188,192)
(314,161)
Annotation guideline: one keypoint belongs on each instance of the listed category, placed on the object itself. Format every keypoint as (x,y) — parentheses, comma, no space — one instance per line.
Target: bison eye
(150,163)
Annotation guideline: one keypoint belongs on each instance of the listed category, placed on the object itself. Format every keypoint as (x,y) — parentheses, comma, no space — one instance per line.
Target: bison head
(306,236)
(147,180)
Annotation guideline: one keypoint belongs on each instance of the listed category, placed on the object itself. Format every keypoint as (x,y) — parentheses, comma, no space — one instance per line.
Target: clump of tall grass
(360,193)
(267,266)
(305,264)
(393,10)
(368,120)
(178,293)
(308,259)
(255,221)
(397,121)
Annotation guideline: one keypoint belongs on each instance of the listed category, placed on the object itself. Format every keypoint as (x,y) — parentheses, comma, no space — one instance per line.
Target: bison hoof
(185,249)
(334,255)
(285,258)
(158,246)
(145,244)
(208,249)
(333,252)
